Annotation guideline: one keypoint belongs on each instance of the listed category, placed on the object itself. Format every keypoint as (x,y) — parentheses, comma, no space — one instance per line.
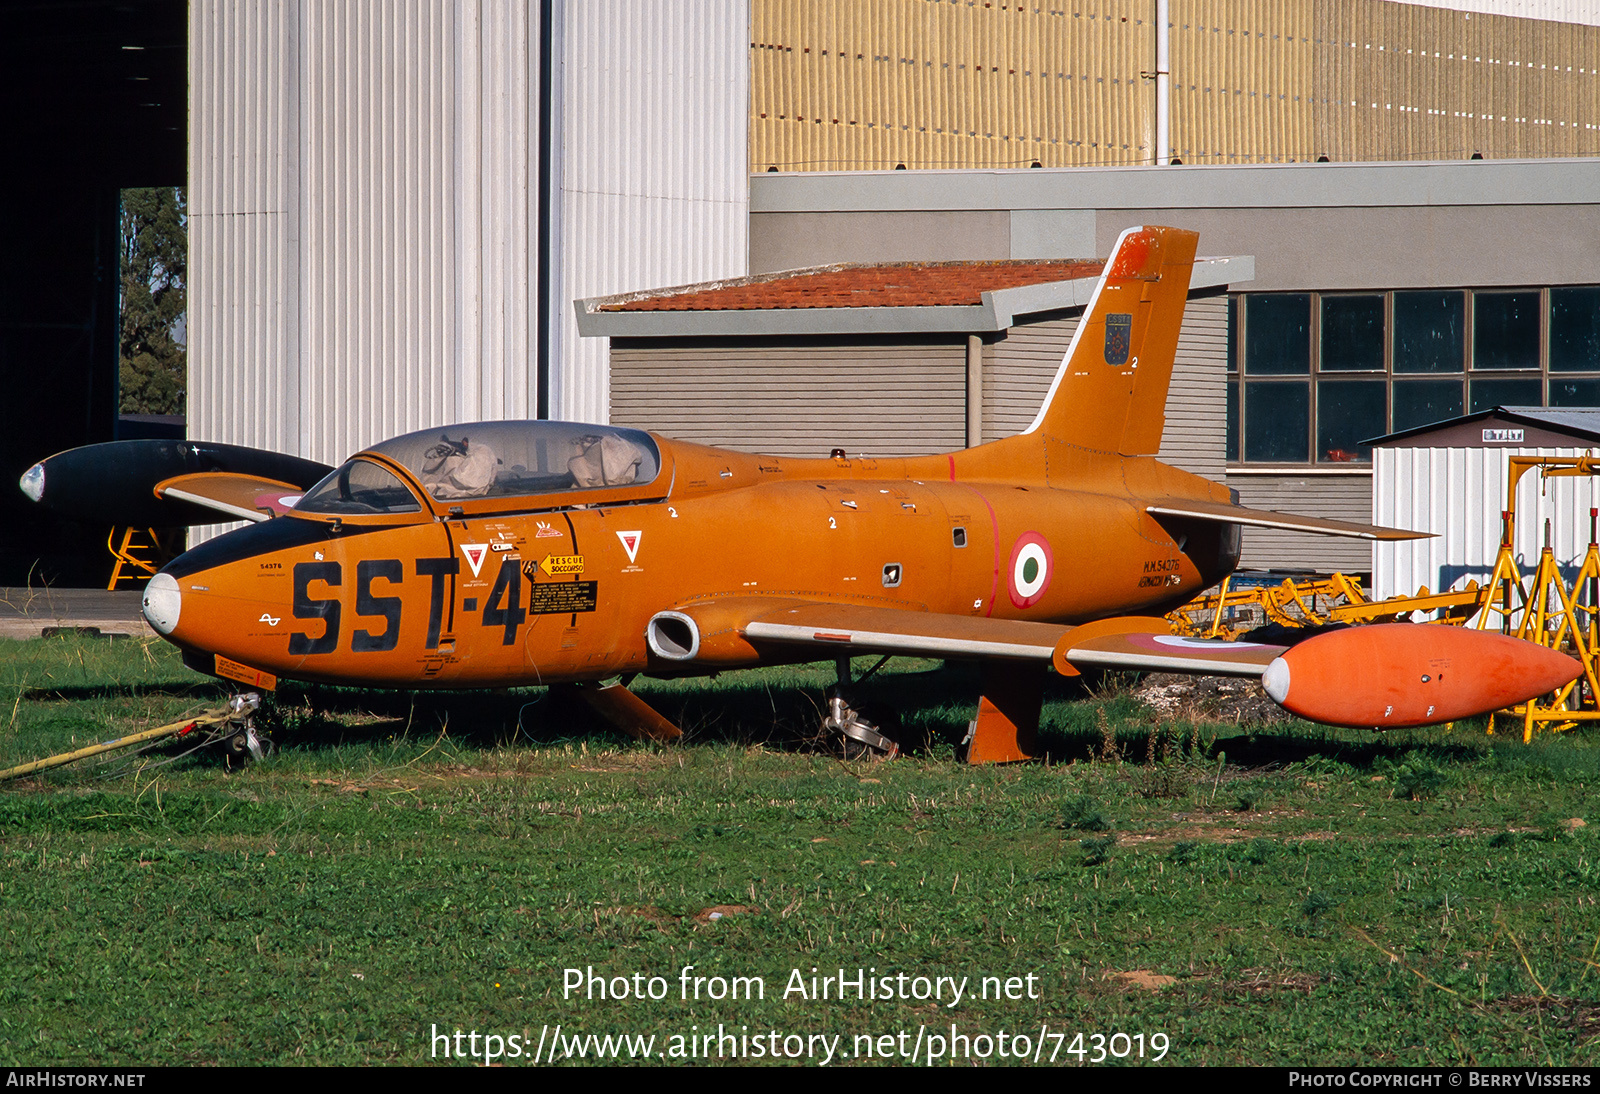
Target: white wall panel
(363,176)
(243,320)
(365,240)
(653,165)
(1459,493)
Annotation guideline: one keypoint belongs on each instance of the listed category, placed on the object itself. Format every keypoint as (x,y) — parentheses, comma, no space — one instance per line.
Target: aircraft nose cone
(32,482)
(163,603)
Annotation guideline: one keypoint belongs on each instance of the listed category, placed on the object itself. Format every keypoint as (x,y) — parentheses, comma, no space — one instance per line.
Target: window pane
(1349,412)
(1423,402)
(1233,420)
(1505,330)
(1233,334)
(1488,394)
(359,487)
(1575,329)
(1428,331)
(1352,333)
(1277,334)
(1277,422)
(1574,392)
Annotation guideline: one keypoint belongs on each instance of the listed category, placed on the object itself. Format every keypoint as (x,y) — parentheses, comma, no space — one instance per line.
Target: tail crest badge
(1119,331)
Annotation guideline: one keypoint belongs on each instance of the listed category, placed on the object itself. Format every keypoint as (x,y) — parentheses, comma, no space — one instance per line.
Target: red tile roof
(898,285)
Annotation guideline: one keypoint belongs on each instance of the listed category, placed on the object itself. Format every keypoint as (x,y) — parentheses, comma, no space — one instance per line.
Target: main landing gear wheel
(860,736)
(864,732)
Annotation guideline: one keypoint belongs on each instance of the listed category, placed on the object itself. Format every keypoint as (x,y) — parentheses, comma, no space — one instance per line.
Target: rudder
(1110,393)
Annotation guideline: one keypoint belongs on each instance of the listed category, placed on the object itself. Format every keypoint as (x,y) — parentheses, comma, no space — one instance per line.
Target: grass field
(406,866)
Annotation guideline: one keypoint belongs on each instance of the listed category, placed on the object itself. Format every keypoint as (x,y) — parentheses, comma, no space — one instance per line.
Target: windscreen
(359,487)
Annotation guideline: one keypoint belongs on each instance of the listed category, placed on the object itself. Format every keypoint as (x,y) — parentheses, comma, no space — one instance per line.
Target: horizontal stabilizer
(234,496)
(1223,513)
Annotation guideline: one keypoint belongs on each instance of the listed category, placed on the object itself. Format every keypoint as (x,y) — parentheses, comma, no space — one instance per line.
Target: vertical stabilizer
(1110,394)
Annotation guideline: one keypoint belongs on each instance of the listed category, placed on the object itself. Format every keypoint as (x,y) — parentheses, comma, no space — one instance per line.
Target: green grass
(409,862)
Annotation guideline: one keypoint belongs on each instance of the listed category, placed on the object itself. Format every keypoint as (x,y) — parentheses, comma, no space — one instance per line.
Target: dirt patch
(723,911)
(1208,698)
(1229,827)
(623,761)
(1272,981)
(1143,979)
(1580,1016)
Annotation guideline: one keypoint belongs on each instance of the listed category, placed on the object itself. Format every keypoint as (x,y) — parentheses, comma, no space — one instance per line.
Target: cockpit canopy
(490,460)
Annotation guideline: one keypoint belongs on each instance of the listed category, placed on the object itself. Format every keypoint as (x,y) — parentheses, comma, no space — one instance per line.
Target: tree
(154,297)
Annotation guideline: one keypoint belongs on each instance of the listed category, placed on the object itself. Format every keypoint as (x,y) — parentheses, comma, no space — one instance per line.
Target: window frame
(1239,380)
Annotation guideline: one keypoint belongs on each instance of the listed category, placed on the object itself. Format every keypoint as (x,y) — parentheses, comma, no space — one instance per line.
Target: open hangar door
(95,97)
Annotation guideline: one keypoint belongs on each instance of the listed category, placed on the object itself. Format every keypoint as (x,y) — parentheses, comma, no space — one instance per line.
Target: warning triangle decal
(475,553)
(630,543)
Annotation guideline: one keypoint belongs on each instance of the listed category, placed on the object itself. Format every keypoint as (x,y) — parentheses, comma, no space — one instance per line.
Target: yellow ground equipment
(1241,605)
(1542,607)
(231,724)
(142,552)
(1545,608)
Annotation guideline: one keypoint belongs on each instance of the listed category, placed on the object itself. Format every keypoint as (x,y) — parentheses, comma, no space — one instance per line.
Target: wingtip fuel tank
(1395,675)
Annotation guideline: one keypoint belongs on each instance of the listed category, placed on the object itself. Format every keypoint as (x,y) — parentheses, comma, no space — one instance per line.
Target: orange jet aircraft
(541,553)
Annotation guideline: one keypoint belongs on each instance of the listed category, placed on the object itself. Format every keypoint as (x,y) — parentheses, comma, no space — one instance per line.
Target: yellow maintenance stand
(1545,609)
(1542,608)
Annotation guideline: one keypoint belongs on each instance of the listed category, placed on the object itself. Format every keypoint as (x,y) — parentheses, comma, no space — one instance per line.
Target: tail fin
(1110,393)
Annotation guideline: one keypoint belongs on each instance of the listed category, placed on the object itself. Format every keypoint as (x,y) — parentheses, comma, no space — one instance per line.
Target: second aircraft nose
(163,603)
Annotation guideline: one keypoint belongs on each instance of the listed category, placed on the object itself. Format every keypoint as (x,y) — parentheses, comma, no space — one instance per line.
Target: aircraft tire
(868,731)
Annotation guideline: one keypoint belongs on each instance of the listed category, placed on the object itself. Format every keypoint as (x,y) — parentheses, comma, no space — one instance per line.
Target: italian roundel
(1031,567)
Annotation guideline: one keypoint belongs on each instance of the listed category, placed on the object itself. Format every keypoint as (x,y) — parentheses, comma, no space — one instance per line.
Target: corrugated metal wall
(1196,433)
(892,396)
(1459,493)
(244,320)
(846,84)
(1018,368)
(869,84)
(796,396)
(1242,81)
(653,179)
(1564,11)
(364,236)
(1404,81)
(368,265)
(1343,495)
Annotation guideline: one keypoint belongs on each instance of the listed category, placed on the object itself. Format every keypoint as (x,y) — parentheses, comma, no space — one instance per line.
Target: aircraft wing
(235,496)
(1222,512)
(1147,652)
(849,627)
(1127,643)
(1383,675)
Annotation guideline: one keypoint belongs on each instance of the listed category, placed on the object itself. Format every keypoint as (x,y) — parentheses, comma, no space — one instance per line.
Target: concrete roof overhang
(1191,186)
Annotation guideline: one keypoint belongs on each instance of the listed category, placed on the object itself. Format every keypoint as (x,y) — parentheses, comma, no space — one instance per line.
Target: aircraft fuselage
(489,594)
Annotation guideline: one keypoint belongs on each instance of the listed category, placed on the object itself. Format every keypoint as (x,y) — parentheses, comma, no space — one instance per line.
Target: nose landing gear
(243,742)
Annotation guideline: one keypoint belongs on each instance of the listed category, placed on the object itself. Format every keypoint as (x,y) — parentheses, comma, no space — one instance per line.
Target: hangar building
(1379,297)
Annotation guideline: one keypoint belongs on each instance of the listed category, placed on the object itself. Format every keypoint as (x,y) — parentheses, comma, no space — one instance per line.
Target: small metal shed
(1450,478)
